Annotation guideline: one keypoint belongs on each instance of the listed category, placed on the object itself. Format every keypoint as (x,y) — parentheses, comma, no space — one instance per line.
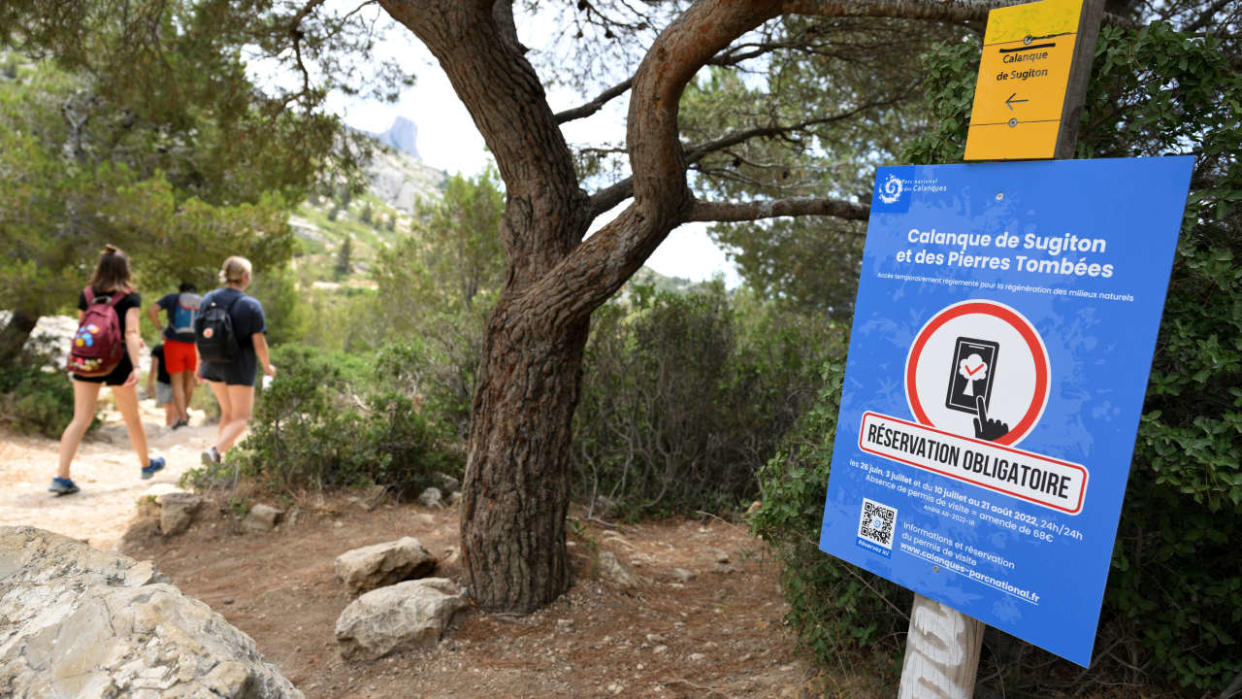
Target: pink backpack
(98,346)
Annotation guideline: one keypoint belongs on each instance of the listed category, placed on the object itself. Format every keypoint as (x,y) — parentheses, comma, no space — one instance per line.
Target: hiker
(105,351)
(180,358)
(159,386)
(231,343)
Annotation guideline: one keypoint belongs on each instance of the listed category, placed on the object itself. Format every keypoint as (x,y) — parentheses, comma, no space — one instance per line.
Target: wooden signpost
(1028,101)
(1033,80)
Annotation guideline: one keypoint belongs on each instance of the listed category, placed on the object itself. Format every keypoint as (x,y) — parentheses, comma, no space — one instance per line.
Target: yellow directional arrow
(1023,75)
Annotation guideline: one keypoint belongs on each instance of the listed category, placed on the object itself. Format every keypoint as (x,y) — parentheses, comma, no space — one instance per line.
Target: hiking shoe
(63,486)
(211,457)
(181,423)
(157,464)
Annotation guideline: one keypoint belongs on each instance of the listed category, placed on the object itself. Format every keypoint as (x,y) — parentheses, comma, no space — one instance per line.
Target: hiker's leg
(170,414)
(126,398)
(220,390)
(180,399)
(187,389)
(242,400)
(85,394)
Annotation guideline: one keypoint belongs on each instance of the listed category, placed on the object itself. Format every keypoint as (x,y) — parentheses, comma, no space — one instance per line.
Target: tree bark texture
(15,334)
(516,487)
(515,491)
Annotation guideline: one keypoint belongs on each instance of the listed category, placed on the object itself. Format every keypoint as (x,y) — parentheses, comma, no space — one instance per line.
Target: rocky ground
(702,616)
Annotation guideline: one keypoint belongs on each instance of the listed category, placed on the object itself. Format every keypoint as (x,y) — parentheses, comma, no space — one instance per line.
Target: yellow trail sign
(1024,75)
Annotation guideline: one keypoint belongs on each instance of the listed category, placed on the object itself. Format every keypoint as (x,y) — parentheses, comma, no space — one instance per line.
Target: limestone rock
(431,497)
(261,518)
(384,564)
(446,483)
(682,575)
(411,614)
(82,622)
(178,511)
(611,568)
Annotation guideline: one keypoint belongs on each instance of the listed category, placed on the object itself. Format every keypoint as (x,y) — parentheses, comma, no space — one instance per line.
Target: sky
(448,140)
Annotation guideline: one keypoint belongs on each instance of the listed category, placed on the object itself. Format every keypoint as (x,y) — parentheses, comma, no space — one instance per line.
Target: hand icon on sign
(990,430)
(973,369)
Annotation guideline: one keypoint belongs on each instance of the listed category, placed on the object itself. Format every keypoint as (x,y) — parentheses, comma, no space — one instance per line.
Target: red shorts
(179,356)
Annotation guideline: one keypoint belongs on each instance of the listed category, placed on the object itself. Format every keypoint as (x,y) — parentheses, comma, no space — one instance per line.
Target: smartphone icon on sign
(970,376)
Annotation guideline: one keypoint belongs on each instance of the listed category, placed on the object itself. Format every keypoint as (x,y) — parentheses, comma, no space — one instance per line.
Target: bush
(35,396)
(683,401)
(840,612)
(320,426)
(441,381)
(1173,605)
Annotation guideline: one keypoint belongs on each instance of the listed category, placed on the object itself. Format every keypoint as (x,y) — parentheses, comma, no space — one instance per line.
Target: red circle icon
(1027,360)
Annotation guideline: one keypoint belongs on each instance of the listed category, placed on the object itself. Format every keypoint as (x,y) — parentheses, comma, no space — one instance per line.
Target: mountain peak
(402,135)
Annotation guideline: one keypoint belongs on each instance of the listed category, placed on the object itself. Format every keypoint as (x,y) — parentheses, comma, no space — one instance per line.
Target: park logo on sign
(891,191)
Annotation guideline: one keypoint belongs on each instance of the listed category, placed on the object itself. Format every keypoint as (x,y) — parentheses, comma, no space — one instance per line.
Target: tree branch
(506,27)
(696,153)
(596,104)
(771,208)
(661,195)
(1206,17)
(614,194)
(948,10)
(296,33)
(943,10)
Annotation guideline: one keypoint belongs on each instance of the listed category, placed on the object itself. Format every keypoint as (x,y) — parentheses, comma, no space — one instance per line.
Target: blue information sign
(1002,340)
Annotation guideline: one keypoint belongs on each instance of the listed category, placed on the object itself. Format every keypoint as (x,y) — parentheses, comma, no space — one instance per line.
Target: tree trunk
(516,490)
(14,335)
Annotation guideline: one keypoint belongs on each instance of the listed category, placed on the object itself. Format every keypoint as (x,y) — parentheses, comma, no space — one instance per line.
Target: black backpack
(213,332)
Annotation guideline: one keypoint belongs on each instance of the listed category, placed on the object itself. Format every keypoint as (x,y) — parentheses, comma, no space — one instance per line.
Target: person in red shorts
(180,356)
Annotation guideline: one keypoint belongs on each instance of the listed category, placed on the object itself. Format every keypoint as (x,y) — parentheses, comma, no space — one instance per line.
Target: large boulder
(79,622)
(384,564)
(177,511)
(261,518)
(411,614)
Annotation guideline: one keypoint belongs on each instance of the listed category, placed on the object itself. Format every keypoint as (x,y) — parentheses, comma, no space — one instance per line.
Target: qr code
(877,522)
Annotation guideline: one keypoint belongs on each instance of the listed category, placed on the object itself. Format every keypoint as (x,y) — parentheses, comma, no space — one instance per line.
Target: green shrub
(36,397)
(439,375)
(1173,606)
(683,399)
(839,612)
(319,426)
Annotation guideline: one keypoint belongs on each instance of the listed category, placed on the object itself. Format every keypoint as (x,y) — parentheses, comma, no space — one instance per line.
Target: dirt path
(106,469)
(706,620)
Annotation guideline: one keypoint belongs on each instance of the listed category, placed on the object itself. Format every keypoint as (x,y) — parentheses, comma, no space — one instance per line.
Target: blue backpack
(185,313)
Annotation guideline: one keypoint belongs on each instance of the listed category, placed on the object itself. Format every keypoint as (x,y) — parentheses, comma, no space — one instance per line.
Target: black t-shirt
(161,370)
(248,319)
